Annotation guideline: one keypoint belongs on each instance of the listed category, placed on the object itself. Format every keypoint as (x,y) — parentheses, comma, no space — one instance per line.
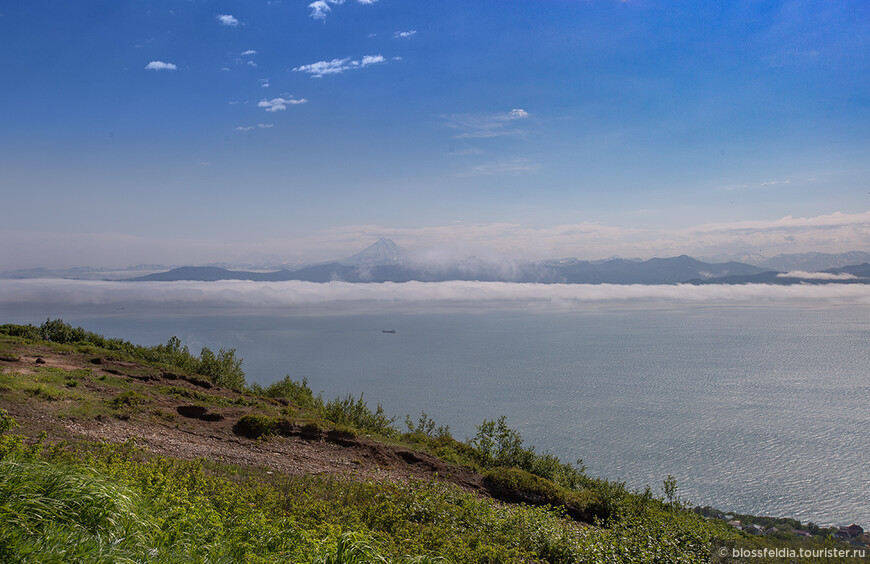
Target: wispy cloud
(258,126)
(321,8)
(228,20)
(279,104)
(756,185)
(264,83)
(248,53)
(338,66)
(512,166)
(817,275)
(486,125)
(160,65)
(404,34)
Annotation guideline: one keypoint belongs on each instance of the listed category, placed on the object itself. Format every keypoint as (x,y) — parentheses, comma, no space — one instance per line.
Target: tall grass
(53,512)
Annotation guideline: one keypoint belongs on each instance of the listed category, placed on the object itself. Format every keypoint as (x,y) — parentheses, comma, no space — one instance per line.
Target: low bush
(255,426)
(356,413)
(289,389)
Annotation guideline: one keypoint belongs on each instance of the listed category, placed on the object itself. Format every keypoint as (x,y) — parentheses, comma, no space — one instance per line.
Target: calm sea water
(756,409)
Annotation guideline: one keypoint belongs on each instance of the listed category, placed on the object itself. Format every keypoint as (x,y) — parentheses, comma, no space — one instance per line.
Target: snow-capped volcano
(381,253)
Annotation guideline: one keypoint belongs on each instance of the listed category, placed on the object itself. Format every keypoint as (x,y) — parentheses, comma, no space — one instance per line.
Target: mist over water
(753,398)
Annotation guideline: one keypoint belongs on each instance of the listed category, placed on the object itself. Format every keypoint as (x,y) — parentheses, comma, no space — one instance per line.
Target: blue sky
(292,131)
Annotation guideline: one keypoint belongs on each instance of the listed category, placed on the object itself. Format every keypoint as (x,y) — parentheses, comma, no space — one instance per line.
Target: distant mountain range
(384,261)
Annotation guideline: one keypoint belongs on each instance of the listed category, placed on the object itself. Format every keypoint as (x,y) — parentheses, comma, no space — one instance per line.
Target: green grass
(115,503)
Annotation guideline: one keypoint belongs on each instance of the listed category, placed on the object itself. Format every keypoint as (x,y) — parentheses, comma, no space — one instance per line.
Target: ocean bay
(755,407)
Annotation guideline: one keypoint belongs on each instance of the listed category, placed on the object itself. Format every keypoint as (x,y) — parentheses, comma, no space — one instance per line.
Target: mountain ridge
(385,261)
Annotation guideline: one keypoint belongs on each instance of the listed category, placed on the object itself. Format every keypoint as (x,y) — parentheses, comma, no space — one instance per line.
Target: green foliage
(223,368)
(7,422)
(497,445)
(28,332)
(91,507)
(42,392)
(255,426)
(296,392)
(127,399)
(350,412)
(356,413)
(426,426)
(351,548)
(669,489)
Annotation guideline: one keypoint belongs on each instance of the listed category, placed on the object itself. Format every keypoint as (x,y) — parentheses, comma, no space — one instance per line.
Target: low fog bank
(346,297)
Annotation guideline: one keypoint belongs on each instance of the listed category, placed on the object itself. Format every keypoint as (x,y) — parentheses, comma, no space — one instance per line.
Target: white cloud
(486,125)
(279,104)
(160,65)
(345,296)
(321,8)
(226,19)
(248,52)
(258,126)
(404,34)
(264,83)
(371,60)
(338,66)
(817,275)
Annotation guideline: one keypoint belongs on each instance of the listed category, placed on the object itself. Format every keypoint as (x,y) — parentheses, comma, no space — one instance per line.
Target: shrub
(223,368)
(287,388)
(356,413)
(255,426)
(426,426)
(24,331)
(496,444)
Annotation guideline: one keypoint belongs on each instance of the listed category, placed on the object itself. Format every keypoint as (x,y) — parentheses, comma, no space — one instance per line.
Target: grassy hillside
(154,454)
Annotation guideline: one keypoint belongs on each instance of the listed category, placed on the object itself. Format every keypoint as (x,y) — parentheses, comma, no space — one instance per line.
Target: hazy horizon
(431,256)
